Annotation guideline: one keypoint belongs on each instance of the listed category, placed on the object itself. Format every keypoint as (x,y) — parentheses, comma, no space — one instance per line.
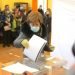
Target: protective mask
(34,28)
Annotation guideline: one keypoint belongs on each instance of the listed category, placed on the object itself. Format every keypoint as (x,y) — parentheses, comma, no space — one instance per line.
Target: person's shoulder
(25,27)
(43,26)
(25,24)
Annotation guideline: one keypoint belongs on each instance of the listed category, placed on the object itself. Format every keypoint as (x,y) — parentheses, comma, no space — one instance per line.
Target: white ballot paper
(19,68)
(36,44)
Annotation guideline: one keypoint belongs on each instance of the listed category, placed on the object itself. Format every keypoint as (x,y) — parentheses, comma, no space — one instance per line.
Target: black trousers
(7,37)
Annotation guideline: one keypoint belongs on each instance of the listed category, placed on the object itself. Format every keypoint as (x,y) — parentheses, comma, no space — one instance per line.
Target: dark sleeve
(46,48)
(47,22)
(73,49)
(44,34)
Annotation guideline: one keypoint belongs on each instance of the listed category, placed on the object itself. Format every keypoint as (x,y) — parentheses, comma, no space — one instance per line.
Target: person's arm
(19,39)
(73,49)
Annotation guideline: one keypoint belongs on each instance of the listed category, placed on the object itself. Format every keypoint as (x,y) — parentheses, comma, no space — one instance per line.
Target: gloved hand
(25,43)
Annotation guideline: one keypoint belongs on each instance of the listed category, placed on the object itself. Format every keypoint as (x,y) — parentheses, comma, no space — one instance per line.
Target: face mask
(34,28)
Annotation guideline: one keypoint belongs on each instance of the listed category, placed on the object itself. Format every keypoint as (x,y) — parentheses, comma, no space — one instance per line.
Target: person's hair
(49,10)
(6,5)
(33,16)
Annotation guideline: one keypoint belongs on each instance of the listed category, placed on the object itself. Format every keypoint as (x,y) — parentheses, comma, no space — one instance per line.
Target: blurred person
(41,10)
(71,71)
(16,23)
(6,8)
(73,49)
(30,9)
(1,22)
(1,25)
(26,14)
(47,21)
(18,18)
(33,25)
(2,19)
(7,27)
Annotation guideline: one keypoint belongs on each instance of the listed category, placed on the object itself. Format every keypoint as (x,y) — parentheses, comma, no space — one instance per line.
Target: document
(36,45)
(19,68)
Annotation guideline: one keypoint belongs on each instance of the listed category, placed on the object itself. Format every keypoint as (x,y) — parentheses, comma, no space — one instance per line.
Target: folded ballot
(36,45)
(19,68)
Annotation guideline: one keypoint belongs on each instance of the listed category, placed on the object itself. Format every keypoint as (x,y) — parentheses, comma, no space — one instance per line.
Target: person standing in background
(41,10)
(7,27)
(47,21)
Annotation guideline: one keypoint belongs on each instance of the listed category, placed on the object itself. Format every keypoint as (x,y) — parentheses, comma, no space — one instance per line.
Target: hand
(25,43)
(27,73)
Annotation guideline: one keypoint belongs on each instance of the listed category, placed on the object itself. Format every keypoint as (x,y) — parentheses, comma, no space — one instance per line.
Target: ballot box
(51,66)
(18,69)
(35,68)
(40,65)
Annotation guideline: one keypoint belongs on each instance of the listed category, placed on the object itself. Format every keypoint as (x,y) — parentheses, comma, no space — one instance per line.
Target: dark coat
(26,33)
(48,23)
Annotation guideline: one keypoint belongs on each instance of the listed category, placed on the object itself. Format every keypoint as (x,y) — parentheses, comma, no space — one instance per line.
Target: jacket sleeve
(73,49)
(18,40)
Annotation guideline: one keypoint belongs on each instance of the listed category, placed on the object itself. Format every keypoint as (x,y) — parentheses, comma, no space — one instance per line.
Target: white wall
(63,29)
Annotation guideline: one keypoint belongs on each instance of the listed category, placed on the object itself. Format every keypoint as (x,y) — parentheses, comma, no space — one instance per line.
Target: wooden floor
(9,54)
